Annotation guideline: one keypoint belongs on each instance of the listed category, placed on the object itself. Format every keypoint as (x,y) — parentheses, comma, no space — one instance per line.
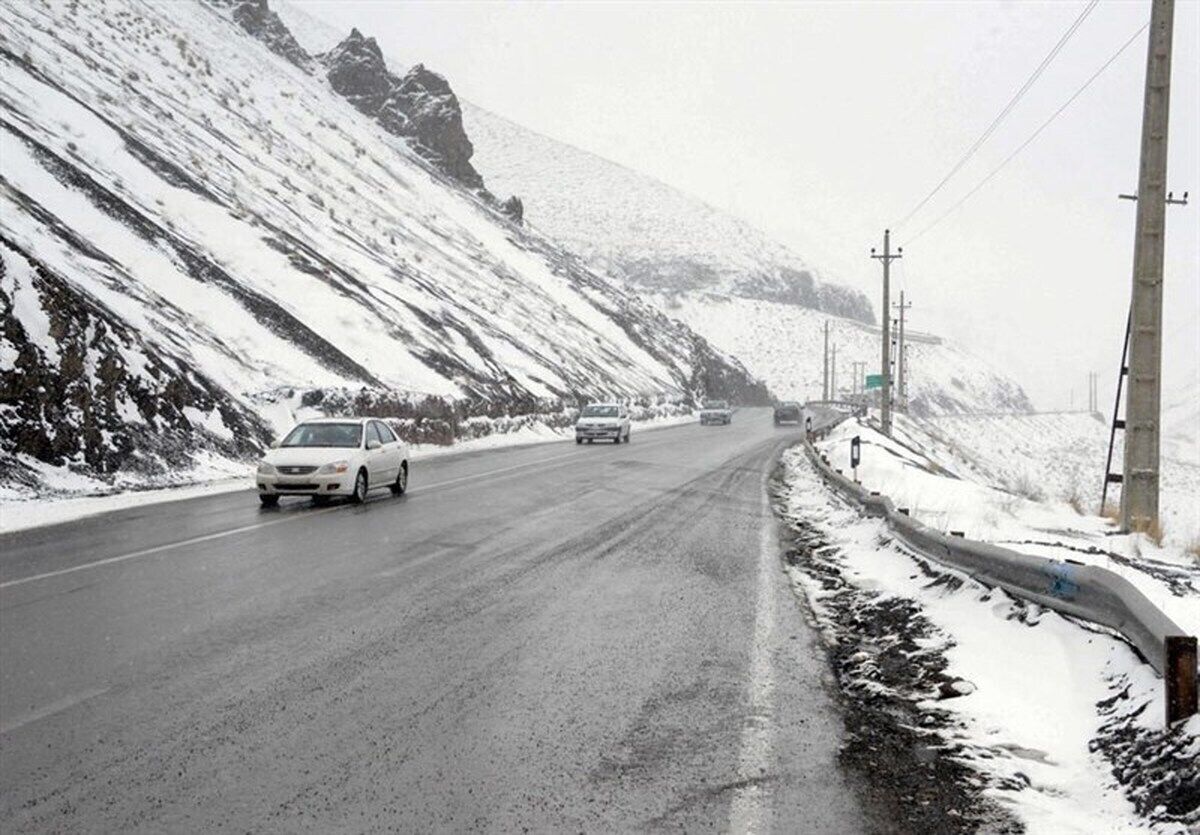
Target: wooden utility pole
(902,358)
(885,394)
(1139,493)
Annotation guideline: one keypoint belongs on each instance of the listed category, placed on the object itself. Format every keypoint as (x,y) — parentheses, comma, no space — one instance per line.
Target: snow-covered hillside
(784,345)
(196,226)
(1060,457)
(741,290)
(622,221)
(635,227)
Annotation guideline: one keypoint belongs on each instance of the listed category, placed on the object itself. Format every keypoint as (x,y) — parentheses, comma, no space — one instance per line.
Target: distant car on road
(602,421)
(334,457)
(716,411)
(788,412)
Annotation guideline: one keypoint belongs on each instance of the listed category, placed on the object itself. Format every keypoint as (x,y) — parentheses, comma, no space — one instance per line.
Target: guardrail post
(1180,678)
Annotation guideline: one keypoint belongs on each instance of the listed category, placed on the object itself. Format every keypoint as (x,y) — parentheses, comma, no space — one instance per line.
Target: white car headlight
(265,469)
(334,467)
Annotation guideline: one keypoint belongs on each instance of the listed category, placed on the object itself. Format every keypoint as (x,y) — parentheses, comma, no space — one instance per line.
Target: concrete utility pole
(1139,494)
(833,374)
(902,358)
(825,371)
(885,394)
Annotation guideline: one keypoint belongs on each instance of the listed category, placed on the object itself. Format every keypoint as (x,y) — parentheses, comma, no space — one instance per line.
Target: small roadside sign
(874,381)
(855,451)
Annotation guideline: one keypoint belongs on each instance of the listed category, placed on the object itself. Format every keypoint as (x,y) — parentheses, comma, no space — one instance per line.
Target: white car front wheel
(360,488)
(401,482)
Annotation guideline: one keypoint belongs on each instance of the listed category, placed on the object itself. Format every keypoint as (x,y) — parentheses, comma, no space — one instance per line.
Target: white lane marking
(750,809)
(159,549)
(57,706)
(433,555)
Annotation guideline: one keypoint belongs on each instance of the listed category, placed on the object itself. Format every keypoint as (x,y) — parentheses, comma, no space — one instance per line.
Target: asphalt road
(549,638)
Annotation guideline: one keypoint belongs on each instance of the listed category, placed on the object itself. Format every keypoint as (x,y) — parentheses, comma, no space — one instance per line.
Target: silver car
(716,411)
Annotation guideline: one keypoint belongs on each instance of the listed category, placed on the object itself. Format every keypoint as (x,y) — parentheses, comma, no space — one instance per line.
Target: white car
(602,421)
(334,457)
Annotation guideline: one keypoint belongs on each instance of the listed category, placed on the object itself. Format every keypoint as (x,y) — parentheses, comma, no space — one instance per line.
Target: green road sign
(874,381)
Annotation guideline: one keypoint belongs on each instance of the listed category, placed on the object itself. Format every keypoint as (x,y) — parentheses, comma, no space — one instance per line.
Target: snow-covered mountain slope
(195,225)
(621,221)
(635,227)
(731,283)
(784,345)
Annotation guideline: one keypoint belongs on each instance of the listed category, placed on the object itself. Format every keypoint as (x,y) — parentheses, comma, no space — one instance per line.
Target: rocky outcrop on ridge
(420,106)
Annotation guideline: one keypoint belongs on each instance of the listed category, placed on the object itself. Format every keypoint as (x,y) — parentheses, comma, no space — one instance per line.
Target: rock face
(357,72)
(420,106)
(83,389)
(256,17)
(435,122)
(514,208)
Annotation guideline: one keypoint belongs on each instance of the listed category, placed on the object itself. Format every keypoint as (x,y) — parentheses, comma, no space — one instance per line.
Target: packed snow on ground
(1029,709)
(919,470)
(1062,456)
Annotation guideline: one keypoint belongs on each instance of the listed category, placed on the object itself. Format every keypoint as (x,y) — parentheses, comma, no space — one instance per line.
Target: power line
(1032,137)
(1029,82)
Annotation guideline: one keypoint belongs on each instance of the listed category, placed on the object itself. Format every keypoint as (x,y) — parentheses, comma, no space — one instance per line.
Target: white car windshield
(714,404)
(324,435)
(599,411)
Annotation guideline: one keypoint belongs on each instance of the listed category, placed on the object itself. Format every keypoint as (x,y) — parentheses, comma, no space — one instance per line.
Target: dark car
(788,413)
(716,411)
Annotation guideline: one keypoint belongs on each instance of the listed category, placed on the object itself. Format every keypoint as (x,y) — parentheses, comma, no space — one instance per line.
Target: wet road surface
(547,638)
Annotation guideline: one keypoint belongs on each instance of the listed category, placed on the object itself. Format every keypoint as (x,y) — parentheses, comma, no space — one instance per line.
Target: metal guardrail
(1083,591)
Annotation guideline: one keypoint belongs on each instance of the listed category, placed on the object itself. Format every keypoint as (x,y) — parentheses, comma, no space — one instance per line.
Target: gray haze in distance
(822,123)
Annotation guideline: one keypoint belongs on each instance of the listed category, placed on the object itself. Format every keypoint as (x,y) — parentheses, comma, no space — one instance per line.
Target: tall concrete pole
(902,359)
(825,367)
(833,374)
(885,394)
(1139,494)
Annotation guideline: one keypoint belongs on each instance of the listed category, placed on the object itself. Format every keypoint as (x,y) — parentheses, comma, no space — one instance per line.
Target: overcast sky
(822,123)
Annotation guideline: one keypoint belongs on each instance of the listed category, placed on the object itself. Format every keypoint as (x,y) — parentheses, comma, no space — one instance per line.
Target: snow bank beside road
(919,470)
(1022,696)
